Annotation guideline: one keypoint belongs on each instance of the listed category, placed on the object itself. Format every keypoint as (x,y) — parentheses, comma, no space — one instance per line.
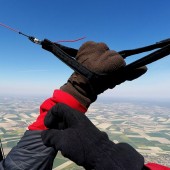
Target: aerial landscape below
(144,125)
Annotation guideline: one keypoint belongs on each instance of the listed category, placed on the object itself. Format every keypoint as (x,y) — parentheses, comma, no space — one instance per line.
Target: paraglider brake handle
(67,55)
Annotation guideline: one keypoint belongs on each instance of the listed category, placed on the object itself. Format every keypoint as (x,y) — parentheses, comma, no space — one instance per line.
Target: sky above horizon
(27,69)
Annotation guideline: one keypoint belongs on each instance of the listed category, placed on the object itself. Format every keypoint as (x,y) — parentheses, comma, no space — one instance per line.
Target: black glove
(80,141)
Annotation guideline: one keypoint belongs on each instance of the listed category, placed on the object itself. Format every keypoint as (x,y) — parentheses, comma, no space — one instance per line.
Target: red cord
(9,27)
(71,40)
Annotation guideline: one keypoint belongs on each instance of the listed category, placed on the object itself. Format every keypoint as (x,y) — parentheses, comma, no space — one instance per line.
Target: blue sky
(27,69)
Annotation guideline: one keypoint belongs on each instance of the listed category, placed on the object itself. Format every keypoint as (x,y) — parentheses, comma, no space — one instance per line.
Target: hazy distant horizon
(101,99)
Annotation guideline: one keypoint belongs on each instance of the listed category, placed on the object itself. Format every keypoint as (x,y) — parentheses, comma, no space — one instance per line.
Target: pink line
(71,40)
(9,27)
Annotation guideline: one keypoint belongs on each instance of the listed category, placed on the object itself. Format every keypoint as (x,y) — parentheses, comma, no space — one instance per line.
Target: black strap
(160,44)
(71,62)
(148,59)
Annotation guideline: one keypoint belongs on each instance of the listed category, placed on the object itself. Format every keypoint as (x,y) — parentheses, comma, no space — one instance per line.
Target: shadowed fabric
(29,154)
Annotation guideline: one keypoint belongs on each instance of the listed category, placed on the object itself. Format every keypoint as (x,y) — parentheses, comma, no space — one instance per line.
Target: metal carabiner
(34,40)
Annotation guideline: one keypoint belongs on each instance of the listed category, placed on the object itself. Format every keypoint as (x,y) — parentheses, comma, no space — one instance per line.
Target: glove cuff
(80,88)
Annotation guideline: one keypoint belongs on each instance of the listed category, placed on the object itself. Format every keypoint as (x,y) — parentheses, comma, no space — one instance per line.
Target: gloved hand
(99,59)
(80,141)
